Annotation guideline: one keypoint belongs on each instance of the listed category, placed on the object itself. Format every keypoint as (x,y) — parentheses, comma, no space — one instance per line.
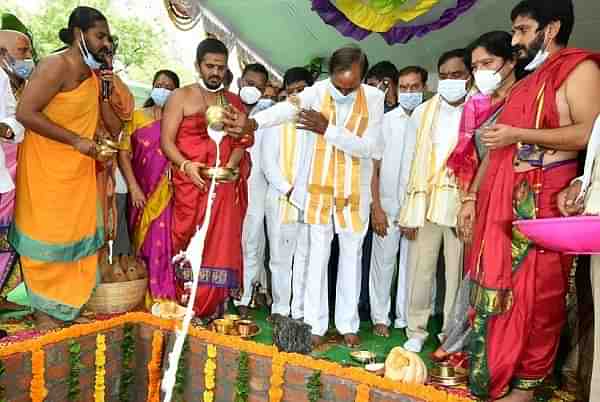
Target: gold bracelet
(469,198)
(183,164)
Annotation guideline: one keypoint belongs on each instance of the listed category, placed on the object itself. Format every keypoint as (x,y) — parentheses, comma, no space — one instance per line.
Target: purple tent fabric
(400,33)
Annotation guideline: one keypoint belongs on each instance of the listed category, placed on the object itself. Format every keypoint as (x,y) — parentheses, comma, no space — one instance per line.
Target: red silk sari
(518,290)
(221,271)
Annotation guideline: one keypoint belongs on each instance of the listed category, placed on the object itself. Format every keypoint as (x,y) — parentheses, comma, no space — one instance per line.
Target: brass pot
(222,326)
(245,327)
(221,174)
(214,117)
(232,318)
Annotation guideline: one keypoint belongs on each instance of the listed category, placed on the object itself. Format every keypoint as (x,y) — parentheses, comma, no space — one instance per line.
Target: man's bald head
(16,43)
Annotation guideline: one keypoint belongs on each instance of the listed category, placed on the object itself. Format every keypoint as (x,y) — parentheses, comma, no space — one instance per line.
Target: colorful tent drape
(398,21)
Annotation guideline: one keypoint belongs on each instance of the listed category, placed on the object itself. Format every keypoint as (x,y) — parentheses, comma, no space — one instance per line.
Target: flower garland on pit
(277,372)
(242,389)
(210,369)
(363,393)
(75,367)
(99,387)
(154,367)
(37,390)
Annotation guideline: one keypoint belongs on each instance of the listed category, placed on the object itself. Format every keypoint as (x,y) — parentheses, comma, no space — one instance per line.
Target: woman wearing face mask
(145,169)
(494,68)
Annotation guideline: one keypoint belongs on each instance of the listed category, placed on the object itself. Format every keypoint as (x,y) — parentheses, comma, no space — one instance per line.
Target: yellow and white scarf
(288,161)
(425,183)
(329,184)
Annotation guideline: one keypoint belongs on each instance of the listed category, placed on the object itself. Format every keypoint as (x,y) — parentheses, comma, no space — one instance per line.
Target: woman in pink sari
(145,169)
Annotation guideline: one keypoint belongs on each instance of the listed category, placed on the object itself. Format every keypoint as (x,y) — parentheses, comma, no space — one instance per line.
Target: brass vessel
(447,375)
(221,174)
(216,113)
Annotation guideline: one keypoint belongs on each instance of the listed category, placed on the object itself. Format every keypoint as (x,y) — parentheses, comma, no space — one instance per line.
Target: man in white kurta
(389,186)
(252,83)
(429,213)
(285,160)
(347,117)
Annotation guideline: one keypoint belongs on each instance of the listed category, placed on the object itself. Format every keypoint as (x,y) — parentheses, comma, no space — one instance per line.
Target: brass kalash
(105,149)
(214,117)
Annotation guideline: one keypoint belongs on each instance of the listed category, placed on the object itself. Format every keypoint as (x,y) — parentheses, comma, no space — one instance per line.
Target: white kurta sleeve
(270,160)
(286,111)
(367,146)
(7,116)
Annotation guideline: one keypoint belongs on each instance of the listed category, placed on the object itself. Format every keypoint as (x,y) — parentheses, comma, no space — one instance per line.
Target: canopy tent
(286,33)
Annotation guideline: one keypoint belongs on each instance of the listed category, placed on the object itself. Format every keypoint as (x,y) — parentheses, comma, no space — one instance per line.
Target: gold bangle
(183,164)
(469,198)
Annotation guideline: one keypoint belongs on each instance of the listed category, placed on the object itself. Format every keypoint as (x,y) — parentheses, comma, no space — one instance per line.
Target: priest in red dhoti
(518,293)
(190,145)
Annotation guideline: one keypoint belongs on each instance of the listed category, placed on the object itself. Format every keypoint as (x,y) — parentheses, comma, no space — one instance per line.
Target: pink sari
(151,227)
(10,274)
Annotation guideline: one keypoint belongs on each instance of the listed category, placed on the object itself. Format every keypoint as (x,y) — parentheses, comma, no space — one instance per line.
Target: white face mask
(452,90)
(203,85)
(339,97)
(488,81)
(160,96)
(88,58)
(410,100)
(250,95)
(539,59)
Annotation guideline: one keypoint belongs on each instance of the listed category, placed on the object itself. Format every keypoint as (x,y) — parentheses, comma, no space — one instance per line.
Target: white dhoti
(383,265)
(316,304)
(422,266)
(288,244)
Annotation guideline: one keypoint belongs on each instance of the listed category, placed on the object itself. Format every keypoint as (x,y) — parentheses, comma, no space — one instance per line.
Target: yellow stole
(425,183)
(288,160)
(329,183)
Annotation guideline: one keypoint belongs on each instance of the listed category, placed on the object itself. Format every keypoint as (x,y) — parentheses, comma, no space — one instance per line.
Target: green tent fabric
(10,21)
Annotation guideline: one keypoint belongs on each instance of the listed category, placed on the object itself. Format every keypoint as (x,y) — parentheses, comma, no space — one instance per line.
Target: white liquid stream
(193,254)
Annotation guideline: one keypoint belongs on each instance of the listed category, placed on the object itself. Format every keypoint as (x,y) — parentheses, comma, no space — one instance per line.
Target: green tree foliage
(141,43)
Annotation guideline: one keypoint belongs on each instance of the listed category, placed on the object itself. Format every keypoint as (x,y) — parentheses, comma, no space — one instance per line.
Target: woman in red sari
(494,68)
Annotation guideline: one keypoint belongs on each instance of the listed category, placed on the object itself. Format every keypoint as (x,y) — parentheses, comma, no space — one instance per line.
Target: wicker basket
(119,297)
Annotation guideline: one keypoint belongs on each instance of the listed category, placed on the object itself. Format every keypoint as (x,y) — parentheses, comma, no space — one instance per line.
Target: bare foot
(351,340)
(317,341)
(43,322)
(381,330)
(518,395)
(439,355)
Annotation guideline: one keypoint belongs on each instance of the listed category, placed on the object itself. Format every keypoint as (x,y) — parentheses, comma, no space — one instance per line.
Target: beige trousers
(422,266)
(595,389)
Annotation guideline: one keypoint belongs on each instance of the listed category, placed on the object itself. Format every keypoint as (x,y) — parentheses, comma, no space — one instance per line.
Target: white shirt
(120,183)
(393,177)
(257,185)
(365,147)
(8,110)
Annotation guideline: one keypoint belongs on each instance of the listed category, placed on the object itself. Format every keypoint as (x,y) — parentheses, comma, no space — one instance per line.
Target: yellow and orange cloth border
(365,381)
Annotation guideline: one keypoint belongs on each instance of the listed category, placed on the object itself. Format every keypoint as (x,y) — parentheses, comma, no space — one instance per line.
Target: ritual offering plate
(376,368)
(221,174)
(244,329)
(168,310)
(363,356)
(571,235)
(447,375)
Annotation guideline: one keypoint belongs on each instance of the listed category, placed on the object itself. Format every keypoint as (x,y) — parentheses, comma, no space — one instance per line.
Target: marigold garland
(210,369)
(357,375)
(154,367)
(277,372)
(37,389)
(363,393)
(100,363)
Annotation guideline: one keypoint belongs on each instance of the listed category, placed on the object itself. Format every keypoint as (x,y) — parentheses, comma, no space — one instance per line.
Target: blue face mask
(263,104)
(339,97)
(23,68)
(88,58)
(410,100)
(160,96)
